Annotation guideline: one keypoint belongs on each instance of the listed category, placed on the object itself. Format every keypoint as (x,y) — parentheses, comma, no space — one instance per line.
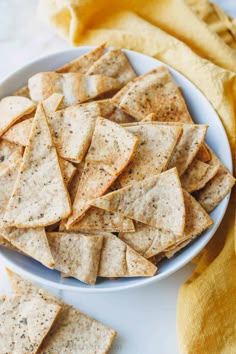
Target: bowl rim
(140,282)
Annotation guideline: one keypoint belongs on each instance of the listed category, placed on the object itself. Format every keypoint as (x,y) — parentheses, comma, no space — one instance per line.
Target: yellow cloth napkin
(198,40)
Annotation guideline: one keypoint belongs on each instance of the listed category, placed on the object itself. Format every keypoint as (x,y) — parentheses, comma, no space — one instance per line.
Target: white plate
(202,113)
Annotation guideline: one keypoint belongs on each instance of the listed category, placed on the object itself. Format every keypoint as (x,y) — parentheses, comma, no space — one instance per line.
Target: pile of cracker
(36,321)
(104,173)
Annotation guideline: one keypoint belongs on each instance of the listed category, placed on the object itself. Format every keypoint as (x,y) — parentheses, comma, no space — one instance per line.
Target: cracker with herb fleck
(72,130)
(83,62)
(76,254)
(156,144)
(7,244)
(153,92)
(216,189)
(157,201)
(76,88)
(19,133)
(52,103)
(113,63)
(109,111)
(13,108)
(120,260)
(24,323)
(192,138)
(39,196)
(150,241)
(68,170)
(9,153)
(7,181)
(102,166)
(96,219)
(198,174)
(32,242)
(72,329)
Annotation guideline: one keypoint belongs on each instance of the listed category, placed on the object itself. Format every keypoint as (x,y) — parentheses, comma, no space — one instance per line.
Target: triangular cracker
(24,323)
(76,88)
(153,92)
(7,244)
(32,242)
(19,133)
(13,108)
(113,63)
(68,170)
(76,254)
(102,165)
(110,111)
(156,144)
(120,260)
(96,219)
(157,201)
(216,189)
(52,103)
(72,130)
(192,137)
(39,197)
(84,62)
(9,153)
(150,241)
(199,173)
(79,332)
(7,181)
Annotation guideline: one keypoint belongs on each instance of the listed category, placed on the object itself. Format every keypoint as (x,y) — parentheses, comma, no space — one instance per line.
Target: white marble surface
(24,38)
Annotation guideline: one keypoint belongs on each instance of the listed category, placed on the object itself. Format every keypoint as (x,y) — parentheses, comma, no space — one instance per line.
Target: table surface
(144,318)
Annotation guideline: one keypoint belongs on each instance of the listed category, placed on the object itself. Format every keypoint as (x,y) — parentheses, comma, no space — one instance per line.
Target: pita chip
(203,154)
(19,133)
(157,201)
(72,328)
(110,111)
(7,244)
(153,92)
(23,91)
(7,181)
(96,219)
(84,62)
(150,241)
(156,144)
(73,186)
(9,153)
(113,63)
(39,196)
(13,108)
(52,103)
(120,260)
(216,189)
(199,173)
(68,170)
(76,88)
(192,137)
(72,130)
(102,166)
(76,254)
(32,242)
(24,323)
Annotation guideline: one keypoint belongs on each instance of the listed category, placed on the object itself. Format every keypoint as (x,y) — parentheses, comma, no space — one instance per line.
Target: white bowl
(202,113)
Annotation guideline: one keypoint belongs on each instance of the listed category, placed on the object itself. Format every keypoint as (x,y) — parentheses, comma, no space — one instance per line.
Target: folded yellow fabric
(177,34)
